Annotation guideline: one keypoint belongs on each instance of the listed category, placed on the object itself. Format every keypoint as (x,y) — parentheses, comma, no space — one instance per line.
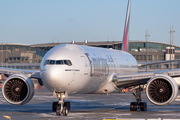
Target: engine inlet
(16,90)
(160,90)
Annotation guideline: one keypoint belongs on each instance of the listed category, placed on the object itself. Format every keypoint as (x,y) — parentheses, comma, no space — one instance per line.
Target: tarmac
(87,107)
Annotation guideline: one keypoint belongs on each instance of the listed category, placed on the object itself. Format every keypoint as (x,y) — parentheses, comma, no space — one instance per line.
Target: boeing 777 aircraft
(70,69)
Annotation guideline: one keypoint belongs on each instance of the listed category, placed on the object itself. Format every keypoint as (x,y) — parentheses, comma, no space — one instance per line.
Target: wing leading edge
(157,62)
(29,73)
(126,80)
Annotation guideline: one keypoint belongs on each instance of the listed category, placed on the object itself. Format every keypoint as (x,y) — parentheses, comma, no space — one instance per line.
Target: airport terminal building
(20,55)
(154,51)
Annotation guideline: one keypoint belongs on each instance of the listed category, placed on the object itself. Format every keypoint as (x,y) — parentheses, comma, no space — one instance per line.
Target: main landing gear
(61,107)
(138,105)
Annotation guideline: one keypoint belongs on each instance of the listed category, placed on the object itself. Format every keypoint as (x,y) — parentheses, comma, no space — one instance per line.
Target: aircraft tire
(65,111)
(58,111)
(143,106)
(133,106)
(54,106)
(67,104)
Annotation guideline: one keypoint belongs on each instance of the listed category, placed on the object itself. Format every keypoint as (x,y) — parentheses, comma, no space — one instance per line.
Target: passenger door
(85,65)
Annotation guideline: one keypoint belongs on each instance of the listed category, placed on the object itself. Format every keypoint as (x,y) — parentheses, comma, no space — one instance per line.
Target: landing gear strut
(138,105)
(61,107)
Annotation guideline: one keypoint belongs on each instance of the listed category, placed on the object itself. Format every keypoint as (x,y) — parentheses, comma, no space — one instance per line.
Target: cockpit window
(46,62)
(52,62)
(67,62)
(58,62)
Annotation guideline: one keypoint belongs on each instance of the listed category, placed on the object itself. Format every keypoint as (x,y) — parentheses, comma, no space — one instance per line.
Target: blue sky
(45,21)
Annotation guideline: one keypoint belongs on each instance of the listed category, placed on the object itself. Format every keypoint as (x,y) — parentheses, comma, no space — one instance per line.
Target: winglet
(125,42)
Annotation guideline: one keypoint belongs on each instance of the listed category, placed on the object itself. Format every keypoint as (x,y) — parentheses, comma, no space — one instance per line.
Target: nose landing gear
(61,107)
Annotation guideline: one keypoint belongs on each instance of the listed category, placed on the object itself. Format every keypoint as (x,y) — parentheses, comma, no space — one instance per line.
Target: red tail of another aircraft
(125,41)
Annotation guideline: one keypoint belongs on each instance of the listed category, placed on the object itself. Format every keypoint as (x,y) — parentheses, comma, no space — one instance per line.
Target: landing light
(63,96)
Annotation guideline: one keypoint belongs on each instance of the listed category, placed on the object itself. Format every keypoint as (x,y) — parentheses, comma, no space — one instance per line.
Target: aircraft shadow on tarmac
(79,106)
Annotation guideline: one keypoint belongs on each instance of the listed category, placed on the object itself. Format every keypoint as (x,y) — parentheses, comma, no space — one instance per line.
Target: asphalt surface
(87,107)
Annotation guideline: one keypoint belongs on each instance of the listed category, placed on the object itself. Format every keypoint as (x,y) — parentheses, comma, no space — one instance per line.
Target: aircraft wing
(29,73)
(157,62)
(126,80)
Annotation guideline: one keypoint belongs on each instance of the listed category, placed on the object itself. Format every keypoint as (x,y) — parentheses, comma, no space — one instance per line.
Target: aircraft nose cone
(52,77)
(55,73)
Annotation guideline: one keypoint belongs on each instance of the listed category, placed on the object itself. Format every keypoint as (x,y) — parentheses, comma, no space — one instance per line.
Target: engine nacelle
(161,90)
(18,89)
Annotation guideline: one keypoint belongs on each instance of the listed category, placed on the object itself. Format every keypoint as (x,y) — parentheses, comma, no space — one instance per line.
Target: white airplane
(70,69)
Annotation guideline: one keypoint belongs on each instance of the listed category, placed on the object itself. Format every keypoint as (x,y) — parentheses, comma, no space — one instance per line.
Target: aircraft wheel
(65,111)
(143,106)
(67,104)
(133,106)
(58,110)
(54,106)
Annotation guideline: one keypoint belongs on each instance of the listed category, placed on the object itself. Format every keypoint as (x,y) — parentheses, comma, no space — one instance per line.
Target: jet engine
(18,89)
(161,90)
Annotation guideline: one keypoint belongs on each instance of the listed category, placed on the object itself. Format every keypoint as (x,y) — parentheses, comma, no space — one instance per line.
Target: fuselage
(83,69)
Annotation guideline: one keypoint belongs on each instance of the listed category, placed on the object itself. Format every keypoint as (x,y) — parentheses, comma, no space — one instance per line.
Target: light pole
(147,39)
(172,31)
(171,44)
